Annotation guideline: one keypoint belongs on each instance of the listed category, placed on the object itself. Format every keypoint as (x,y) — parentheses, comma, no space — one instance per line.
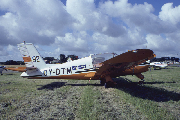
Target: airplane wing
(114,66)
(131,56)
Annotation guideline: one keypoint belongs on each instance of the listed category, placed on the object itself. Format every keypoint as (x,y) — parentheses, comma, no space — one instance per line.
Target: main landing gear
(110,84)
(141,82)
(140,76)
(107,82)
(102,82)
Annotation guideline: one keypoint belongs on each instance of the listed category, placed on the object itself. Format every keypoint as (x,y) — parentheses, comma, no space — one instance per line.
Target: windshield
(99,58)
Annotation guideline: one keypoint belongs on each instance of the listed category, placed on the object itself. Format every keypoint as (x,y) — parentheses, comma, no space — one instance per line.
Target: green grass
(89,107)
(158,98)
(149,108)
(14,87)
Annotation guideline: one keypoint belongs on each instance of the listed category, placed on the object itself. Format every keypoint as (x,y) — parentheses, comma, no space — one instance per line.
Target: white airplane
(1,69)
(102,67)
(159,65)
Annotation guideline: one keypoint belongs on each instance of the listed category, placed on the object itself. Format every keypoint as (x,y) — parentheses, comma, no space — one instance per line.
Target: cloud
(37,22)
(9,52)
(158,43)
(82,27)
(3,52)
(138,15)
(11,48)
(4,36)
(88,17)
(131,40)
(73,42)
(175,37)
(34,21)
(170,14)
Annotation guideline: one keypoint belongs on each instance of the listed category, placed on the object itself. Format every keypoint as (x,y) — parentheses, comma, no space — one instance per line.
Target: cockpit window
(99,58)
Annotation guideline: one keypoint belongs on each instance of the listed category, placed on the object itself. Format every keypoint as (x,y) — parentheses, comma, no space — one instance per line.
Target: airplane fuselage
(78,67)
(159,64)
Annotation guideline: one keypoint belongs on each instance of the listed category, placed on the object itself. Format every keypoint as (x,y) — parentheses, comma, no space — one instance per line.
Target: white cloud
(138,15)
(123,8)
(9,53)
(89,17)
(175,37)
(128,41)
(158,43)
(73,42)
(35,21)
(170,14)
(81,27)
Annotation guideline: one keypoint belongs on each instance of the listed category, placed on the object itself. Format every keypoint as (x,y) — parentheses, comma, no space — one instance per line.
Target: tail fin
(31,56)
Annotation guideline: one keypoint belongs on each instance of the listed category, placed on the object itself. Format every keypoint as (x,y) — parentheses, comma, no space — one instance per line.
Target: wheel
(109,84)
(141,82)
(102,82)
(106,85)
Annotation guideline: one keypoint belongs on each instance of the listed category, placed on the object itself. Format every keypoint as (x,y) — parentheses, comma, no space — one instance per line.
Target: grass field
(158,98)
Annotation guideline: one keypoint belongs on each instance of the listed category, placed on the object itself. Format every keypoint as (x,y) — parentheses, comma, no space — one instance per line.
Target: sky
(84,27)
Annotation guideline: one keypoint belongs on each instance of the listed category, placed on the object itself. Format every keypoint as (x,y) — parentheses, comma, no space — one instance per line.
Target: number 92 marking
(35,59)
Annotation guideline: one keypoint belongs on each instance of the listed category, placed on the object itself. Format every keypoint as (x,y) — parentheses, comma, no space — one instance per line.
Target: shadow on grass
(168,68)
(84,84)
(157,82)
(52,85)
(133,88)
(146,92)
(7,74)
(10,74)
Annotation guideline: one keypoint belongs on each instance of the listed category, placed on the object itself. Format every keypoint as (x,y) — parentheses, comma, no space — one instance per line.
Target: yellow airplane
(101,67)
